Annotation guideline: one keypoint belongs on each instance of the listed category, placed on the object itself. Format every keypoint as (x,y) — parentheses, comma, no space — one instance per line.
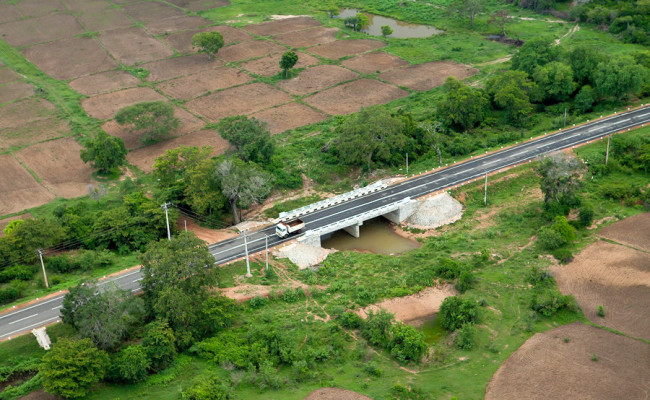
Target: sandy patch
(182,41)
(547,367)
(335,394)
(427,76)
(269,66)
(144,157)
(4,222)
(614,276)
(151,11)
(350,97)
(415,308)
(182,23)
(179,66)
(33,132)
(317,78)
(436,211)
(289,116)
(209,80)
(633,231)
(239,100)
(107,105)
(104,19)
(309,37)
(15,91)
(104,82)
(18,188)
(249,49)
(283,25)
(303,255)
(344,48)
(372,62)
(25,111)
(200,5)
(134,45)
(42,29)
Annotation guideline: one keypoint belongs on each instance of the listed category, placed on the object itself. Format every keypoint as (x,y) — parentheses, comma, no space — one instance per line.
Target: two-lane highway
(26,318)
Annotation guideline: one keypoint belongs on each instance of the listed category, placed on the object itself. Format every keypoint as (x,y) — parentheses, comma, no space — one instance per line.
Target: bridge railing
(298,212)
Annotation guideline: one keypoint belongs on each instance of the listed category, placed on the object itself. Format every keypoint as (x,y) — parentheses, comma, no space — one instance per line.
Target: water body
(375,236)
(431,328)
(401,30)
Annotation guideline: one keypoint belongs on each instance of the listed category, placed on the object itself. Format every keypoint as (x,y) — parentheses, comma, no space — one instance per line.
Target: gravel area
(303,255)
(441,209)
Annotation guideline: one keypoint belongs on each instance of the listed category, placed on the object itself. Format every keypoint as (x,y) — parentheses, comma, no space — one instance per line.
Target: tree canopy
(510,91)
(466,8)
(555,81)
(533,53)
(208,43)
(242,184)
(154,120)
(249,137)
(619,77)
(104,152)
(288,60)
(462,105)
(560,178)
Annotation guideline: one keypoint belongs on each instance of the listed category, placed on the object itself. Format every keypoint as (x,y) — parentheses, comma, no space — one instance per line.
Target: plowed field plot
(59,166)
(7,75)
(179,66)
(308,37)
(189,87)
(42,29)
(289,116)
(144,158)
(548,366)
(200,5)
(70,58)
(38,8)
(374,62)
(151,11)
(15,91)
(250,49)
(188,123)
(170,25)
(18,188)
(9,12)
(427,76)
(133,45)
(344,48)
(85,6)
(350,97)
(269,66)
(240,100)
(633,231)
(282,26)
(5,221)
(614,276)
(104,82)
(317,78)
(102,20)
(22,112)
(33,132)
(107,105)
(182,41)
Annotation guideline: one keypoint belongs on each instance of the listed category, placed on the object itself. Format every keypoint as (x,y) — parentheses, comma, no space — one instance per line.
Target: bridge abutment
(402,213)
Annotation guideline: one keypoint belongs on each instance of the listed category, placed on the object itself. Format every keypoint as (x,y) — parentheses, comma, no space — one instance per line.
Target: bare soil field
(22,112)
(85,6)
(426,76)
(15,91)
(18,188)
(350,97)
(317,78)
(335,394)
(289,116)
(144,157)
(309,37)
(370,63)
(104,19)
(107,105)
(182,41)
(200,5)
(170,25)
(151,11)
(33,132)
(9,12)
(104,82)
(7,75)
(250,49)
(55,58)
(208,80)
(38,8)
(633,231)
(282,26)
(344,48)
(133,45)
(269,66)
(4,222)
(42,29)
(614,276)
(245,99)
(59,166)
(548,366)
(179,66)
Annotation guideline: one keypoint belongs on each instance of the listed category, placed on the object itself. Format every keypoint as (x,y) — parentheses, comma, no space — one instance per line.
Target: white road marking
(30,307)
(57,307)
(29,326)
(22,319)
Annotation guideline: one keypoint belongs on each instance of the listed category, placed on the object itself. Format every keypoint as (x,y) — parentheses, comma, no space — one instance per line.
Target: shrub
(350,320)
(550,239)
(562,226)
(548,302)
(12,292)
(406,343)
(538,275)
(18,272)
(601,311)
(258,301)
(376,330)
(456,311)
(130,365)
(448,269)
(620,191)
(89,260)
(563,255)
(586,216)
(159,342)
(293,295)
(300,370)
(465,337)
(208,389)
(466,280)
(372,369)
(61,264)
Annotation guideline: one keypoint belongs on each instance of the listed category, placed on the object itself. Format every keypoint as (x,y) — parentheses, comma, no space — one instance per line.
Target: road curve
(47,311)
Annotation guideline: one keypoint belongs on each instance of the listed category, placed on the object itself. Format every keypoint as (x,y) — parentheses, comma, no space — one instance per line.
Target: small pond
(401,30)
(375,236)
(431,328)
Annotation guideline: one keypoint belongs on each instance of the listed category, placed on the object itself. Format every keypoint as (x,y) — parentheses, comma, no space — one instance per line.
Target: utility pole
(485,197)
(266,245)
(185,224)
(248,265)
(165,207)
(40,254)
(607,151)
(407,164)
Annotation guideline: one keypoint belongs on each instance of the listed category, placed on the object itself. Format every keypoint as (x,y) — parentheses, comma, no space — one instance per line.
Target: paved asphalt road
(47,311)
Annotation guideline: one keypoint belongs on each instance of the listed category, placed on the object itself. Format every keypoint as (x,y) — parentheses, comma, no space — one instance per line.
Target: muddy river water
(375,236)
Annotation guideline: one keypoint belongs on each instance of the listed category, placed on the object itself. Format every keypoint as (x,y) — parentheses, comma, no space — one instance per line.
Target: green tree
(585,99)
(242,184)
(456,311)
(533,53)
(369,137)
(249,137)
(386,30)
(462,105)
(584,61)
(406,343)
(467,9)
(358,22)
(171,170)
(208,389)
(131,364)
(203,189)
(560,178)
(72,367)
(562,226)
(500,18)
(12,225)
(104,152)
(208,43)
(619,77)
(288,61)
(555,81)
(21,244)
(510,91)
(159,342)
(154,120)
(218,312)
(376,329)
(549,238)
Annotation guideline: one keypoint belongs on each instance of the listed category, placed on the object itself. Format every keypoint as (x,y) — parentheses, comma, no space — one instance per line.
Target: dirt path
(571,31)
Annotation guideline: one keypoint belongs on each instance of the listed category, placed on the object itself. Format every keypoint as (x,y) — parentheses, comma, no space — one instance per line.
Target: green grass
(284,206)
